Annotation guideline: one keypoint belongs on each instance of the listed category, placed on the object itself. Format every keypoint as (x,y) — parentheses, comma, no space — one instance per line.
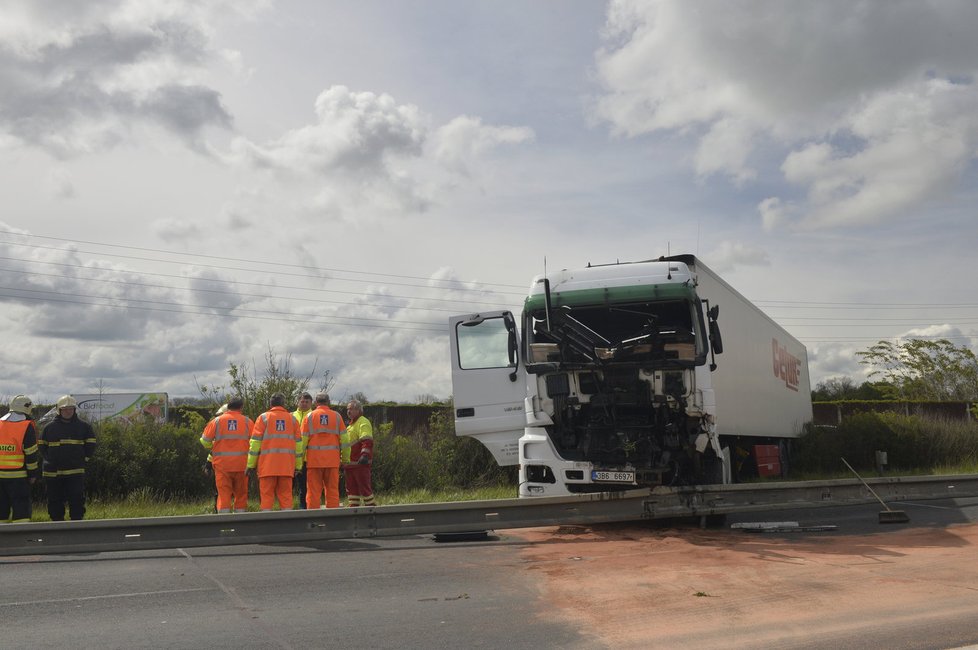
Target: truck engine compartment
(618,383)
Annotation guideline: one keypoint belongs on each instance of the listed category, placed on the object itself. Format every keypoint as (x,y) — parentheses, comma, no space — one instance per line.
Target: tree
(921,369)
(844,388)
(278,377)
(836,388)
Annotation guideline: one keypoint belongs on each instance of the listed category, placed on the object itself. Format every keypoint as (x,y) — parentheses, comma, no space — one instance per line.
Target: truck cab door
(488,382)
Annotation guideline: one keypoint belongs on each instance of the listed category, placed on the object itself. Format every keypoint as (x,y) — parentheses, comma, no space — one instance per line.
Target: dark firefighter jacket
(66,446)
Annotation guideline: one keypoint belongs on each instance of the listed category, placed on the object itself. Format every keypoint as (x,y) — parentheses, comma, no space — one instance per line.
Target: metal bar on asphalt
(311,526)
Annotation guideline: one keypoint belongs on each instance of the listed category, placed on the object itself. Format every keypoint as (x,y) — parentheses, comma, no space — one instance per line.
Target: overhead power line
(228,314)
(454,310)
(196,262)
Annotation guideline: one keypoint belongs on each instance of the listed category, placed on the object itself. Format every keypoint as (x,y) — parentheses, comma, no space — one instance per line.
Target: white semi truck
(612,380)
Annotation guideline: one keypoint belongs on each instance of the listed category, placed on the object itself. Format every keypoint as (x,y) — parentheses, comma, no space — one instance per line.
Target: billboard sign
(127,407)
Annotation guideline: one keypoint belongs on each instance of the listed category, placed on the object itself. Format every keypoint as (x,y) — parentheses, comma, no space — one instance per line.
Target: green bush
(166,460)
(162,458)
(912,443)
(436,460)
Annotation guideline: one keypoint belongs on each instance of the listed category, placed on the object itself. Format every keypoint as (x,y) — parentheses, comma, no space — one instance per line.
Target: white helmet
(66,401)
(21,404)
(222,410)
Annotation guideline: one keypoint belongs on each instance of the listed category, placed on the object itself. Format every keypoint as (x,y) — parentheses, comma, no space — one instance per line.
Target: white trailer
(611,380)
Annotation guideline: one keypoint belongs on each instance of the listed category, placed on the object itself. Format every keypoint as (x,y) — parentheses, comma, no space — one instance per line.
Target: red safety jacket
(321,431)
(228,437)
(276,444)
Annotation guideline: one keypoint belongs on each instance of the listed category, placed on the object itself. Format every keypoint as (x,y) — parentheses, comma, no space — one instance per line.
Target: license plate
(613,477)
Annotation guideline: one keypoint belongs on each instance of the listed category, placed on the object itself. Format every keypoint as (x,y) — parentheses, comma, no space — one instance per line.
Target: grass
(146,503)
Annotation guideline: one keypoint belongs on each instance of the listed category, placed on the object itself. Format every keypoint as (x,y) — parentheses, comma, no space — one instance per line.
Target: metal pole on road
(93,536)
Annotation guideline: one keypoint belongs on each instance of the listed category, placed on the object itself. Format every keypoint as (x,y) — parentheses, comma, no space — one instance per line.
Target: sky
(191,185)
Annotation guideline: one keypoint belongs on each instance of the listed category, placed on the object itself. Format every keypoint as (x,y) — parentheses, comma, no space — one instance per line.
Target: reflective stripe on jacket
(18,446)
(228,438)
(66,446)
(359,440)
(276,444)
(321,431)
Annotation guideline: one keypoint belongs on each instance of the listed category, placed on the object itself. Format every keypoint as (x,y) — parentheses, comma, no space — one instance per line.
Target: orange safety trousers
(318,480)
(232,490)
(275,487)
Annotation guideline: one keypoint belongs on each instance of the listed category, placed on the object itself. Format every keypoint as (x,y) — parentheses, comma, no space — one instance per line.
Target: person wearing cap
(66,444)
(18,460)
(302,410)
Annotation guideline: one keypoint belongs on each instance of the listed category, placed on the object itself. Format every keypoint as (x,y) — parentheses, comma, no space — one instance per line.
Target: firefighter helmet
(21,404)
(67,401)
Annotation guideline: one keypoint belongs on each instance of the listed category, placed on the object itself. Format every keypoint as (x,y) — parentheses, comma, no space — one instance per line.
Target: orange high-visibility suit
(227,437)
(276,450)
(18,466)
(321,431)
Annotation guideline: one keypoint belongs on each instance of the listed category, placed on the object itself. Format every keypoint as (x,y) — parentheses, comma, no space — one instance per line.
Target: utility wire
(231,293)
(221,315)
(196,262)
(235,282)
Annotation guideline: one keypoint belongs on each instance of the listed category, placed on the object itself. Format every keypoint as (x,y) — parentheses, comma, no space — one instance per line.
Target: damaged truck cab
(608,380)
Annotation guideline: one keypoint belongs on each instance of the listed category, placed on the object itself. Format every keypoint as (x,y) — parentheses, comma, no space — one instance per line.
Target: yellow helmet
(21,404)
(66,401)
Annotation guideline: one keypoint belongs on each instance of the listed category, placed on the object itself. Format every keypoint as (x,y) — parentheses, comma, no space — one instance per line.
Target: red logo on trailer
(786,365)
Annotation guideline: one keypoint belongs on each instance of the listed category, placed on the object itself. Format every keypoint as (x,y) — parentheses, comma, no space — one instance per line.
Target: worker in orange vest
(18,460)
(358,451)
(227,439)
(321,431)
(276,451)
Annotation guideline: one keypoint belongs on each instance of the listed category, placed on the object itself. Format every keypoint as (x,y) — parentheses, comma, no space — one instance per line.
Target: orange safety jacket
(321,431)
(228,437)
(276,444)
(18,447)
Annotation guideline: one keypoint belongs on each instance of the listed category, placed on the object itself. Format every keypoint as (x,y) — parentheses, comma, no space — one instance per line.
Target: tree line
(912,370)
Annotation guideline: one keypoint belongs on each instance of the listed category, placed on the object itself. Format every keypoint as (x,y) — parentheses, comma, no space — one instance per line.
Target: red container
(768,459)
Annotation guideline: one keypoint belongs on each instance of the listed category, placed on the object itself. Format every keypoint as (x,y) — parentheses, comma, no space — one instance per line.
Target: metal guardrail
(93,536)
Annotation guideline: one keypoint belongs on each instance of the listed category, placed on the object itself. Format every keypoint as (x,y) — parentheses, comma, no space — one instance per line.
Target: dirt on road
(637,586)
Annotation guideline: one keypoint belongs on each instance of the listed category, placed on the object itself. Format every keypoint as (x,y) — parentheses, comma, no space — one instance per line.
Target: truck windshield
(668,331)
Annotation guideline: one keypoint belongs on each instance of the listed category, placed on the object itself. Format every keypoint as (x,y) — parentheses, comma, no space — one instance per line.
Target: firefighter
(303,408)
(67,444)
(276,452)
(321,431)
(18,460)
(227,438)
(357,456)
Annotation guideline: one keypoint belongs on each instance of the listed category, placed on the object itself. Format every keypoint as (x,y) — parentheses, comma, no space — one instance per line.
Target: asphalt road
(407,592)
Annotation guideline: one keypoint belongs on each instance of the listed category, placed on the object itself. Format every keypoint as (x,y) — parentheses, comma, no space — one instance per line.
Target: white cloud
(175,230)
(354,133)
(729,255)
(367,148)
(465,138)
(60,185)
(875,103)
(78,79)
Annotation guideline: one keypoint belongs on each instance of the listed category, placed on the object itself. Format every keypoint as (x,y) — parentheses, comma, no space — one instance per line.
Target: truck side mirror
(716,341)
(513,347)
